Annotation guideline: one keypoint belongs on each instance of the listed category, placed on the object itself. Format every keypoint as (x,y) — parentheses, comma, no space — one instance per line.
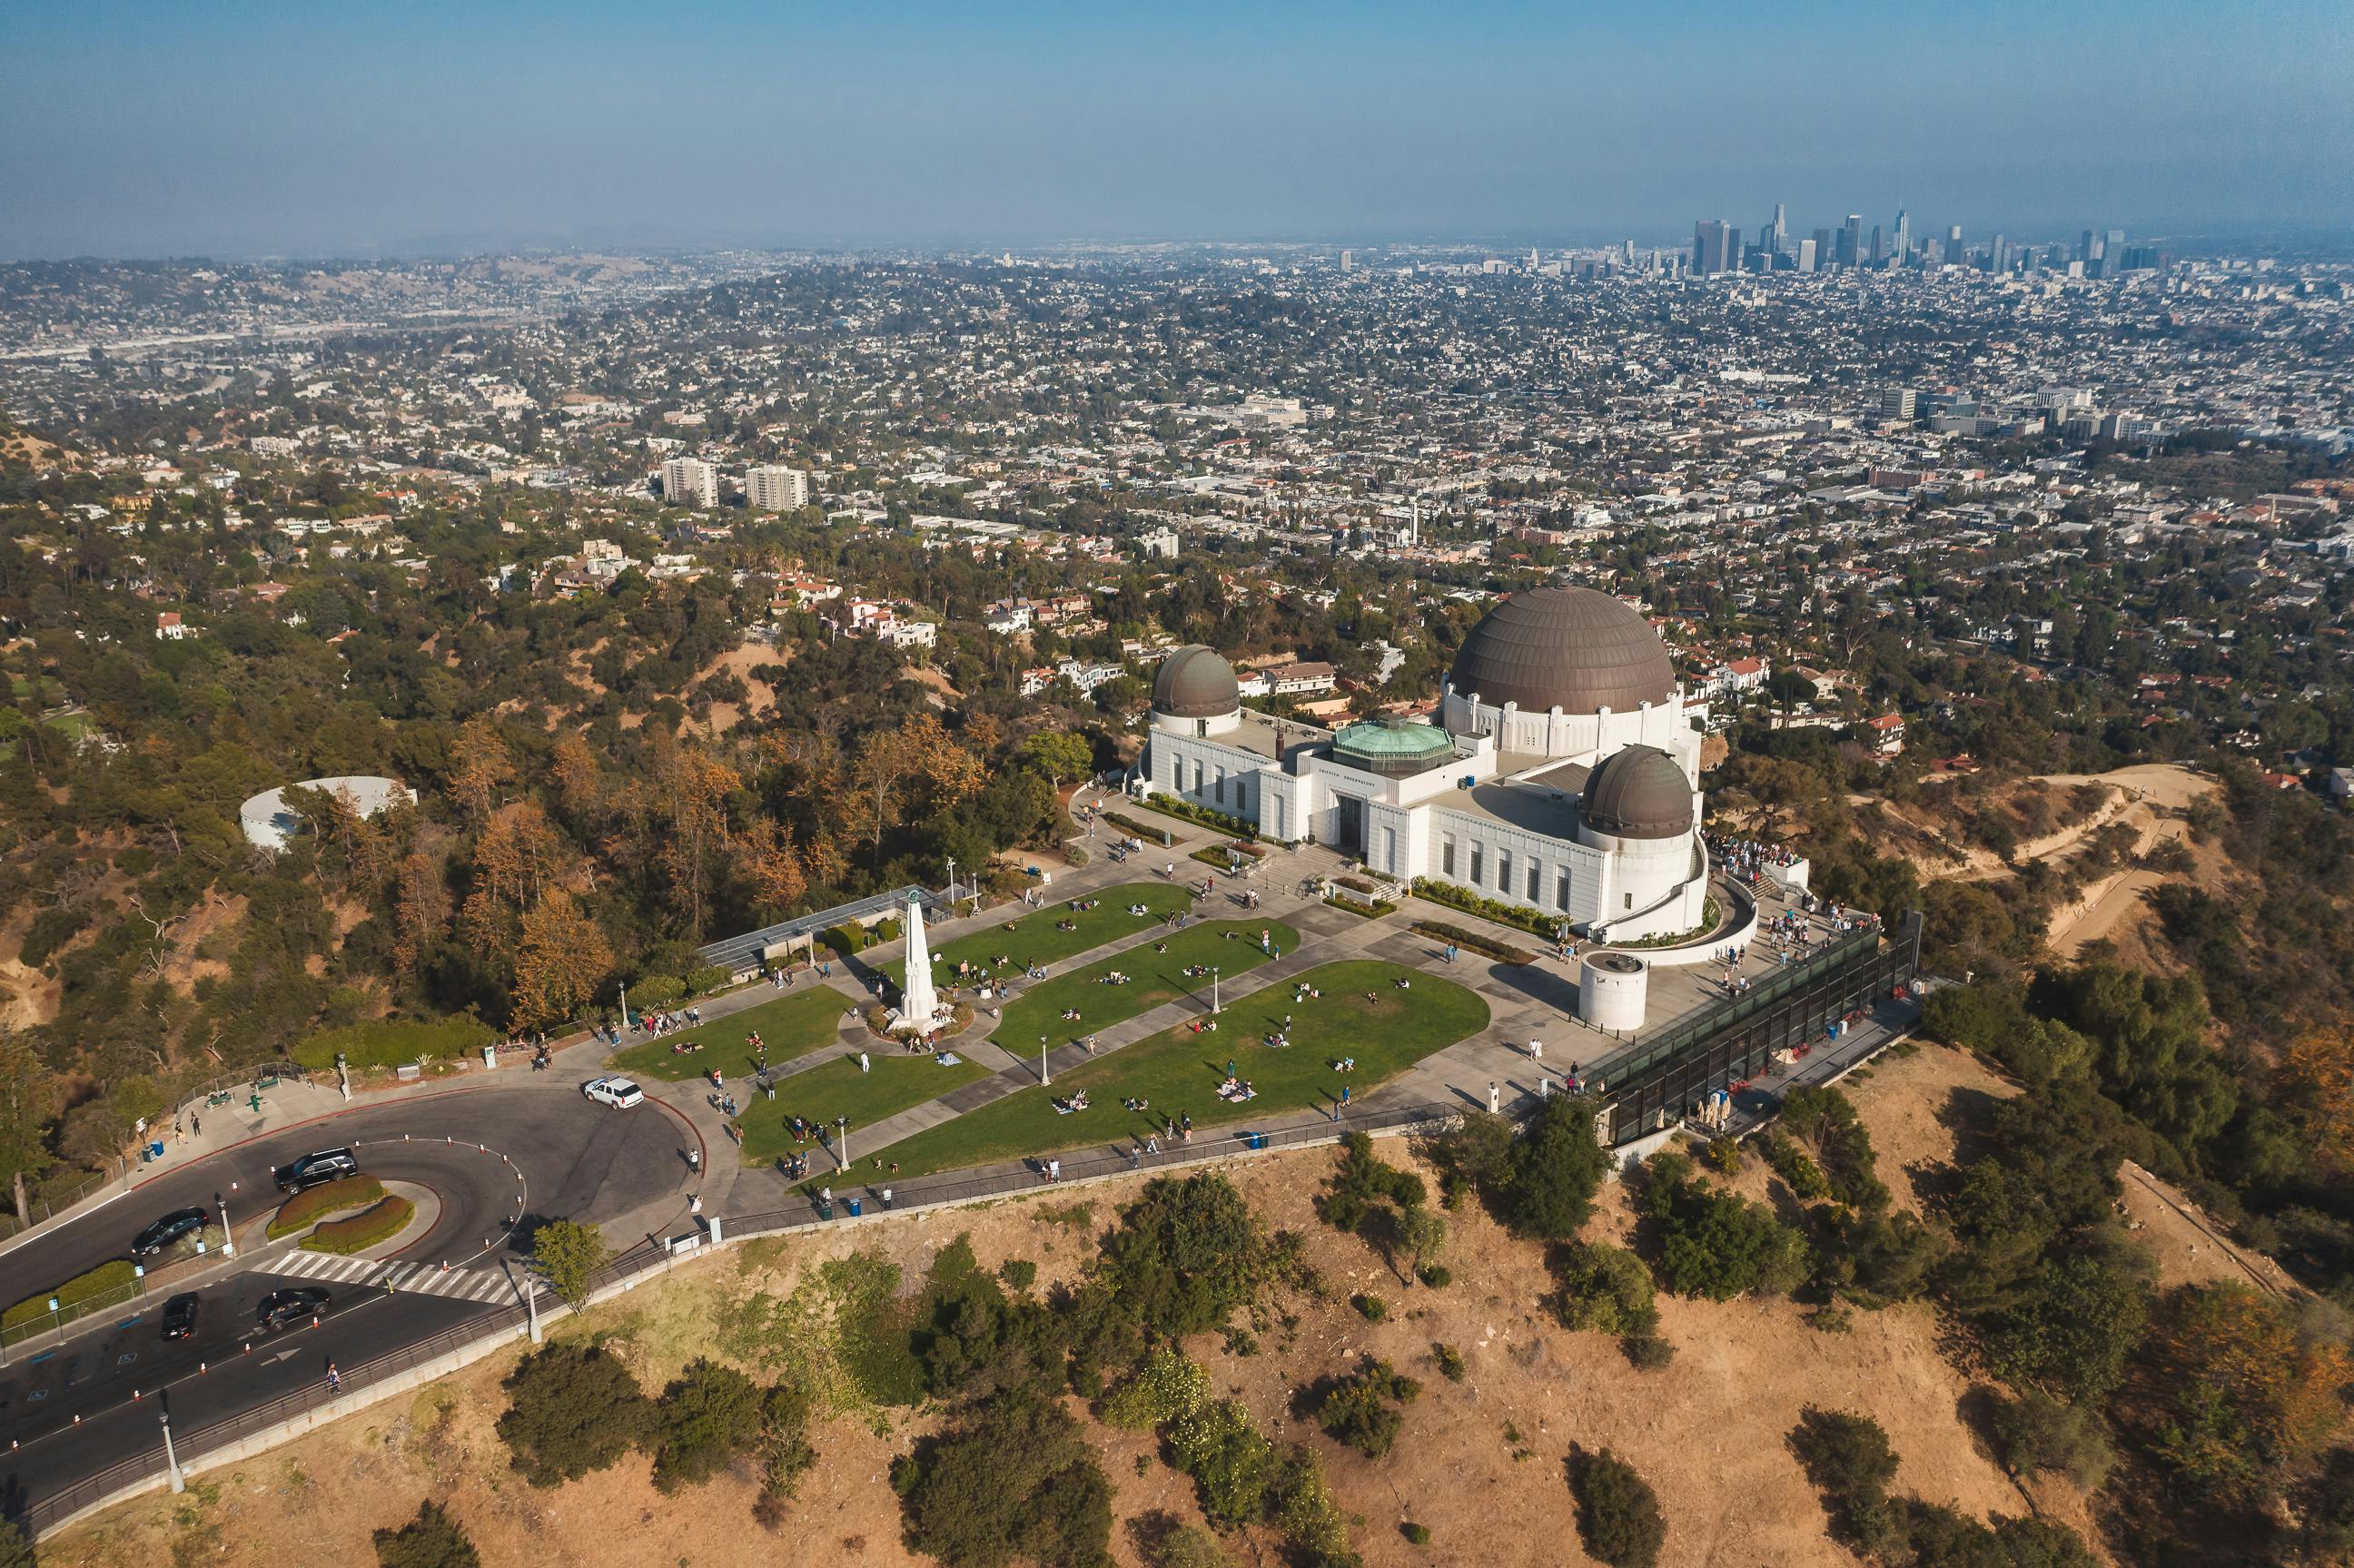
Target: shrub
(1450,1362)
(380,1223)
(1848,1459)
(1557,1166)
(1797,1167)
(1528,920)
(1723,1156)
(1165,1543)
(1167,1387)
(1369,909)
(1438,1277)
(1502,952)
(107,1283)
(1826,1118)
(1371,1307)
(1186,1254)
(1313,1526)
(1717,1244)
(431,1540)
(1137,830)
(571,1409)
(308,1208)
(1648,1352)
(1617,1513)
(1231,1461)
(1179,807)
(567,1255)
(2036,1432)
(784,1448)
(656,991)
(1361,1180)
(1014,1481)
(1363,1409)
(390,1042)
(705,978)
(845,939)
(1605,1289)
(708,1415)
(1417,1533)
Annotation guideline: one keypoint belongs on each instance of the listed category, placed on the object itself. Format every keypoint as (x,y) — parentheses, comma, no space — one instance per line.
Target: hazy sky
(135,128)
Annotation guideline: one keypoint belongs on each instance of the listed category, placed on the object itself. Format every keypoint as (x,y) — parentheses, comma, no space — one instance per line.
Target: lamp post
(842,1142)
(1043,1079)
(228,1239)
(171,1457)
(952,883)
(1214,990)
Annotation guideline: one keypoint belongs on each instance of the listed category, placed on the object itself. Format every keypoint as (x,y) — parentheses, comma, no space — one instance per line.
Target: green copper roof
(1393,742)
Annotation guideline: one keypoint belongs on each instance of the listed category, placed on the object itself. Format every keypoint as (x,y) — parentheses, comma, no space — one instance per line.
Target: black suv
(280,1307)
(180,1317)
(164,1232)
(312,1170)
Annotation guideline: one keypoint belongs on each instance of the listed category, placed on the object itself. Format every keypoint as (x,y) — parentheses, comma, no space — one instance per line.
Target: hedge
(845,939)
(390,1042)
(308,1208)
(1501,951)
(1371,910)
(107,1283)
(384,1221)
(1530,920)
(1135,829)
(1185,810)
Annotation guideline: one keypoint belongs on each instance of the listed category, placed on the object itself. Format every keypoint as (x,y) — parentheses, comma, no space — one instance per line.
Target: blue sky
(139,128)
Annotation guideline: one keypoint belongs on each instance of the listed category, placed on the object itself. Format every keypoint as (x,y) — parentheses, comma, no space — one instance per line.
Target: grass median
(1361,1014)
(1037,938)
(893,1083)
(795,1024)
(1153,978)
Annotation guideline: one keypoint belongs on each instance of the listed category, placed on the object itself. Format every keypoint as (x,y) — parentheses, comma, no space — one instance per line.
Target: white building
(1564,778)
(773,487)
(269,823)
(690,482)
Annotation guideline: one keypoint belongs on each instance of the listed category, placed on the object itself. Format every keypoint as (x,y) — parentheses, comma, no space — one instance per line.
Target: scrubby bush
(1013,1481)
(1372,1309)
(1718,1243)
(2036,1432)
(1605,1289)
(1364,1409)
(1797,1167)
(431,1540)
(571,1409)
(1167,1387)
(708,1415)
(1724,1155)
(1186,1254)
(1230,1459)
(1617,1513)
(1450,1362)
(1826,1118)
(784,1448)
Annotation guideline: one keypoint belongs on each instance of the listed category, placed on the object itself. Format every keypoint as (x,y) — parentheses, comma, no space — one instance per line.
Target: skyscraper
(1822,250)
(1850,243)
(1903,237)
(773,487)
(689,481)
(1348,260)
(1781,231)
(1879,246)
(1712,243)
(1809,250)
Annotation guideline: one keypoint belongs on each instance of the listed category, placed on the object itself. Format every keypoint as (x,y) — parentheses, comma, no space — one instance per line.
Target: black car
(164,1232)
(312,1170)
(280,1307)
(180,1315)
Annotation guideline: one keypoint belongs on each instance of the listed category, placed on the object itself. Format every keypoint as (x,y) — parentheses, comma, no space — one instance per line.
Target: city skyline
(284,132)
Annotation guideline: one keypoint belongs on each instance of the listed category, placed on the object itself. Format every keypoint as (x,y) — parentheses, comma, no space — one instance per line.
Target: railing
(739,953)
(194,1444)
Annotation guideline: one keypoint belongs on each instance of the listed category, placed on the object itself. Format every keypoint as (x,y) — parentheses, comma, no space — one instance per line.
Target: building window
(1197,779)
(1389,850)
(1536,882)
(1282,816)
(1479,857)
(1631,901)
(1504,871)
(1446,856)
(1560,888)
(1222,786)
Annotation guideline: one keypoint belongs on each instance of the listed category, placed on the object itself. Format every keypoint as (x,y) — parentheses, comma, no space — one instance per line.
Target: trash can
(854,1208)
(1255,1140)
(825,1210)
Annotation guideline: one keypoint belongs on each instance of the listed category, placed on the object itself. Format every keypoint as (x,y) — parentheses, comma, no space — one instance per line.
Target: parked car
(312,1170)
(164,1232)
(280,1307)
(180,1315)
(619,1093)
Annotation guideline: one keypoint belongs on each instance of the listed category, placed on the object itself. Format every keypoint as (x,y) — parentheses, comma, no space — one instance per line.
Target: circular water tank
(1612,990)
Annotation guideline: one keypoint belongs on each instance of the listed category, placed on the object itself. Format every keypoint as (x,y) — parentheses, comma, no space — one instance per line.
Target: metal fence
(737,954)
(645,1258)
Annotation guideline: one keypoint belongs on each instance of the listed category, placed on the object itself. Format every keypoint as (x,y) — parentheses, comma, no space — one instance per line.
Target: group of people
(1234,1091)
(1077,1101)
(660,1023)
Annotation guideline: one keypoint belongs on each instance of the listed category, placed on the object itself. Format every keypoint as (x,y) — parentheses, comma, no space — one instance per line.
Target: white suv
(619,1093)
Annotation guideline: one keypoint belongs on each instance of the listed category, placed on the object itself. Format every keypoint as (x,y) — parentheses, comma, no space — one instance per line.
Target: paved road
(575,1159)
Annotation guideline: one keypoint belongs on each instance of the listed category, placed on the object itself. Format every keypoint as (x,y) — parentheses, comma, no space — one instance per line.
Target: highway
(526,1149)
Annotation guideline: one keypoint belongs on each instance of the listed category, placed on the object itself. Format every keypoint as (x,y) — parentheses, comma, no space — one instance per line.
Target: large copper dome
(1570,648)
(1637,792)
(1195,683)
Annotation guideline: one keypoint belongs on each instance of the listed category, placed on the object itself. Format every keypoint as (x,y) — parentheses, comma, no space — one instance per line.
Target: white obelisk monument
(918,1005)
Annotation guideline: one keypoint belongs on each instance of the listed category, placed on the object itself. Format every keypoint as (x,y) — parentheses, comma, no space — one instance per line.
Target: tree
(571,1409)
(1605,1289)
(25,1101)
(1362,1408)
(1718,1243)
(708,1415)
(2319,1066)
(16,1552)
(431,1540)
(1848,1460)
(567,1255)
(1557,1166)
(1014,1482)
(2036,1432)
(1421,1234)
(773,865)
(561,963)
(480,764)
(1187,1253)
(1059,755)
(2233,1399)
(1617,1513)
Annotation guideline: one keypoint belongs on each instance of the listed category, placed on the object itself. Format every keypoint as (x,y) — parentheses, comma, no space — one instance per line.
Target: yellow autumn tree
(561,962)
(518,856)
(2319,1064)
(420,912)
(774,866)
(479,766)
(2233,1398)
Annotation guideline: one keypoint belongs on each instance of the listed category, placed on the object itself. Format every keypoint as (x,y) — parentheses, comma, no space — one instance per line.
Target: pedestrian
(1536,1050)
(862,1062)
(1495,1099)
(694,1206)
(1344,1097)
(1054,1170)
(335,1379)
(886,1197)
(196,1124)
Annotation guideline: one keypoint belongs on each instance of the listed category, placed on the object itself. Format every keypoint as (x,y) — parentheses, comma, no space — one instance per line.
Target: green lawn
(1154,978)
(1036,938)
(793,1025)
(895,1082)
(1178,1073)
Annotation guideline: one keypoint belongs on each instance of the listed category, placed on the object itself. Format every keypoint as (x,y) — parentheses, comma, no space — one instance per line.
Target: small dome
(1639,793)
(1569,648)
(1393,747)
(1195,683)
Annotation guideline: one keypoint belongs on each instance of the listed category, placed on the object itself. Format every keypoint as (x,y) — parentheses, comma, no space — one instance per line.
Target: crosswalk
(408,1278)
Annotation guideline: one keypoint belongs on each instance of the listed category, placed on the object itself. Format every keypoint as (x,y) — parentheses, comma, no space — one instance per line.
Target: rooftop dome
(1195,683)
(1393,747)
(1569,648)
(1639,793)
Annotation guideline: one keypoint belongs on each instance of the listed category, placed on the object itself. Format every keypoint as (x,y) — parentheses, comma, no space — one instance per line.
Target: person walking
(862,1062)
(694,1206)
(335,1379)
(1054,1170)
(1536,1050)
